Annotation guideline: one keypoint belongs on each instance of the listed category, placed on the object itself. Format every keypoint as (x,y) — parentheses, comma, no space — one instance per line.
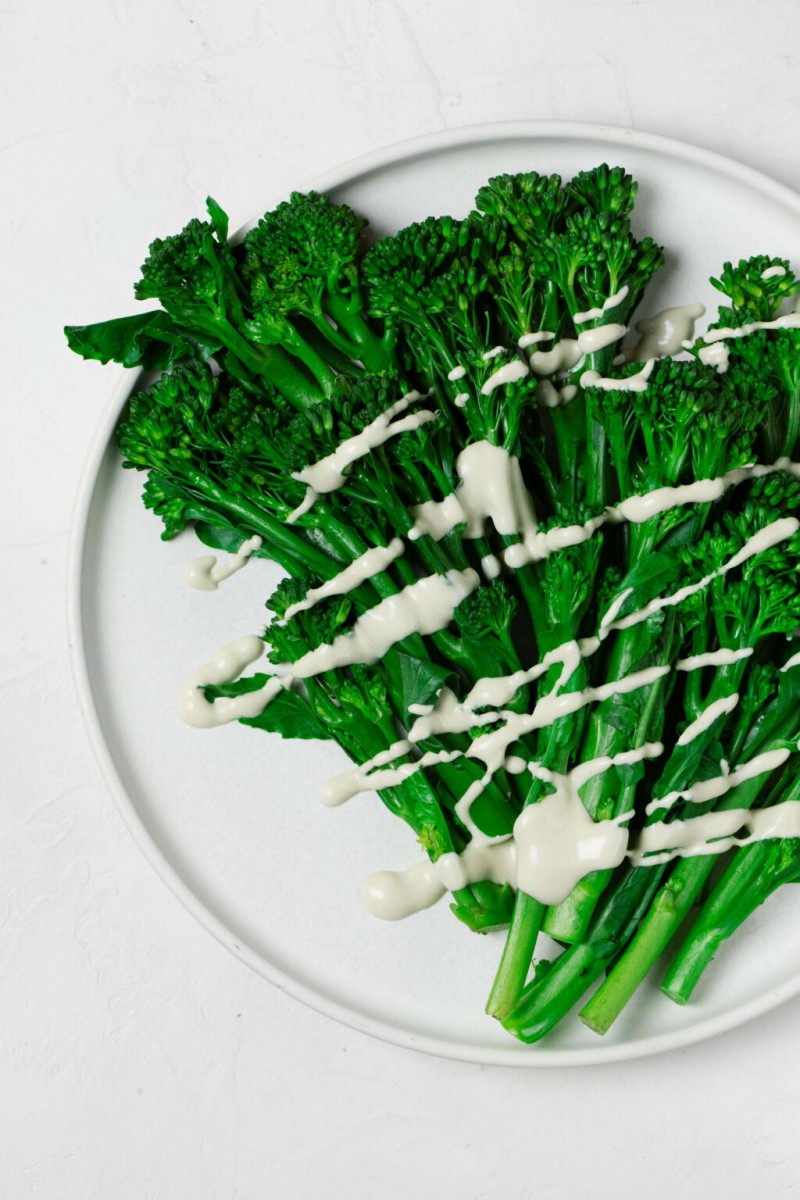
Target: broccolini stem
(282,539)
(360,340)
(568,921)
(665,917)
(557,986)
(753,873)
(517,955)
(274,363)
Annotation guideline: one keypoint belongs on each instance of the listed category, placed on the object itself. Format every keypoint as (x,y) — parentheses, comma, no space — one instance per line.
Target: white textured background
(138,1060)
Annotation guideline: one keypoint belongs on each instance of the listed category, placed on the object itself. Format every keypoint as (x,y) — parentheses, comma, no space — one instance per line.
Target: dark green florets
(305,244)
(756,287)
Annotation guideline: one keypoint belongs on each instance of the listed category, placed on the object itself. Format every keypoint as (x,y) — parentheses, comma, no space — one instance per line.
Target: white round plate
(230,817)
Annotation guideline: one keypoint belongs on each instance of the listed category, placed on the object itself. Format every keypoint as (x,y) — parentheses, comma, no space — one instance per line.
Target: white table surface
(138,1059)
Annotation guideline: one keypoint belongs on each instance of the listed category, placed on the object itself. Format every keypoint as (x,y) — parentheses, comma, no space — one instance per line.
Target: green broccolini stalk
(753,873)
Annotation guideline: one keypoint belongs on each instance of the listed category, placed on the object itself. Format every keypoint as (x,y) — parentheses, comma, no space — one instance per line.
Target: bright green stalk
(669,910)
(752,875)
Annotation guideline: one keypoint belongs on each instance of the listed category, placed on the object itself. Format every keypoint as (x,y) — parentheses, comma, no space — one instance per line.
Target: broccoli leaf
(420,680)
(151,340)
(287,713)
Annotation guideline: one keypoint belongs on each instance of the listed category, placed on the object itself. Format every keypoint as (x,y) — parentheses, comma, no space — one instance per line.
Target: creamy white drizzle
(562,357)
(597,338)
(787,321)
(713,658)
(378,774)
(557,841)
(773,272)
(370,563)
(771,535)
(665,333)
(329,473)
(717,356)
(594,314)
(511,372)
(393,895)
(493,353)
(491,487)
(711,713)
(456,373)
(227,664)
(461,400)
(715,832)
(530,861)
(491,566)
(491,748)
(547,395)
(794,661)
(437,518)
(446,715)
(533,339)
(631,383)
(536,545)
(206,574)
(719,785)
(424,607)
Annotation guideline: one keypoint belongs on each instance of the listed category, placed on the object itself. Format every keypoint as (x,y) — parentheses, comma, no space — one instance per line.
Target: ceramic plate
(230,818)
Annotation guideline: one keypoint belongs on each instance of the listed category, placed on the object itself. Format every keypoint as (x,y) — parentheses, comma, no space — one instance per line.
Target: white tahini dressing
(665,333)
(370,563)
(705,719)
(720,785)
(533,339)
(715,352)
(227,664)
(558,842)
(329,473)
(631,383)
(563,356)
(600,336)
(206,574)
(715,832)
(511,372)
(424,607)
(393,895)
(714,658)
(490,487)
(717,356)
(595,314)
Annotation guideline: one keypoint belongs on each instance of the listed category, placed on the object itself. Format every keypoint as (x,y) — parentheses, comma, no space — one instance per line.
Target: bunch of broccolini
(268,352)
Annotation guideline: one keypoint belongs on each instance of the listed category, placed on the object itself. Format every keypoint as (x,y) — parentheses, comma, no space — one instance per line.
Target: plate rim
(539,1055)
